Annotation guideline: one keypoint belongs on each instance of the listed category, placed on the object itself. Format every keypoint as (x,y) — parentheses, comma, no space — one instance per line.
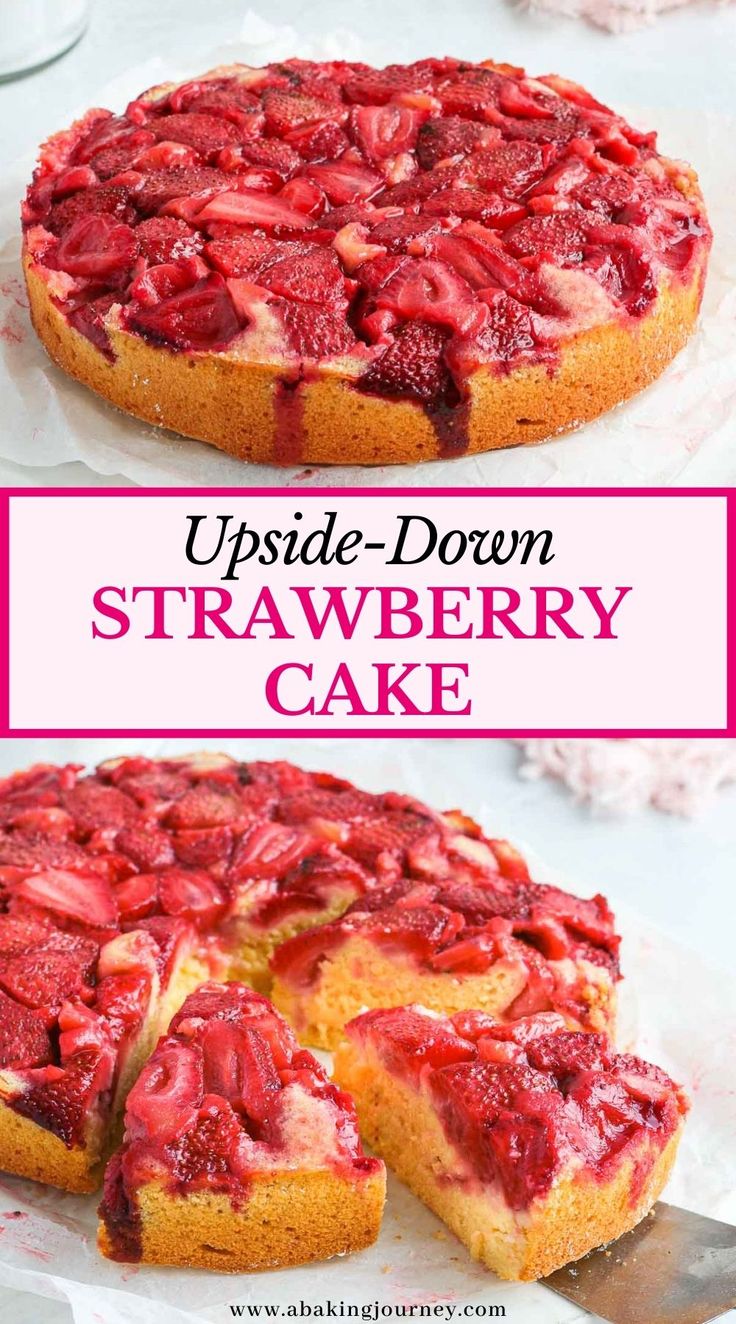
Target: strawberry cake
(239,1153)
(123,889)
(535,1144)
(319,263)
(508,947)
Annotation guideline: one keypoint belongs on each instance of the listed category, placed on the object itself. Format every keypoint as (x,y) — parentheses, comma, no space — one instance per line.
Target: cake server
(674,1267)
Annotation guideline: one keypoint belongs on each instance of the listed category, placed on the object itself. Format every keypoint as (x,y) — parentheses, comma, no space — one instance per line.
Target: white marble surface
(676,873)
(685,60)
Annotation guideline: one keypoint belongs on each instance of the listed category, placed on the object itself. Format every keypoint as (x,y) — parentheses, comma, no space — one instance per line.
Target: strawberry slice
(137,896)
(104,199)
(285,111)
(315,278)
(238,1066)
(269,850)
(267,152)
(24,1041)
(204,806)
(251,207)
(476,205)
(166,239)
(163,186)
(204,847)
(241,256)
(113,160)
(200,318)
(511,167)
(165,1099)
(166,156)
(413,366)
(431,291)
(377,86)
(148,847)
(447,138)
(86,898)
(343,181)
(410,1039)
(305,196)
(18,933)
(94,806)
(205,133)
(319,142)
(191,894)
(44,978)
(157,283)
(98,247)
(384,131)
(314,333)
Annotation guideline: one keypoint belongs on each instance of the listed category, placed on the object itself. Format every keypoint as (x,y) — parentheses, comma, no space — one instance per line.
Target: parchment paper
(676,1009)
(680,431)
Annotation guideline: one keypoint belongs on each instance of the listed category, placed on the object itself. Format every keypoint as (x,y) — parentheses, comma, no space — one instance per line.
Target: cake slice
(78,1017)
(534,1143)
(239,1153)
(504,945)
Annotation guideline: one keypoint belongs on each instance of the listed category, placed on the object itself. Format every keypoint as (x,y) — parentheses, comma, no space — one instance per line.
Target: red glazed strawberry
(166,1096)
(137,896)
(242,256)
(313,278)
(87,899)
(238,1065)
(200,318)
(204,847)
(377,86)
(45,977)
(322,141)
(315,333)
(285,111)
(268,152)
(251,207)
(204,806)
(205,133)
(413,366)
(447,138)
(343,181)
(476,205)
(191,894)
(166,239)
(430,291)
(94,806)
(384,131)
(101,200)
(147,846)
(510,167)
(24,1041)
(269,850)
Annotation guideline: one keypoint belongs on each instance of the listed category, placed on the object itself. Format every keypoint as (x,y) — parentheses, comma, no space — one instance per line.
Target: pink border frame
(322,493)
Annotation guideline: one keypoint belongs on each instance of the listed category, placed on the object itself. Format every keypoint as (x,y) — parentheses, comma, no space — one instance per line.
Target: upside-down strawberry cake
(239,1153)
(333,263)
(127,890)
(535,1144)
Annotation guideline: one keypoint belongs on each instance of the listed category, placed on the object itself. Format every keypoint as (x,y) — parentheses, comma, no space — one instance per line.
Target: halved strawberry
(167,156)
(314,333)
(107,131)
(305,195)
(200,318)
(476,205)
(137,896)
(238,1065)
(204,806)
(559,238)
(384,131)
(511,167)
(398,233)
(46,977)
(377,86)
(72,180)
(314,277)
(322,141)
(166,239)
(251,207)
(18,933)
(157,283)
(207,134)
(470,93)
(285,111)
(204,847)
(113,160)
(343,181)
(192,894)
(413,365)
(101,199)
(428,290)
(268,152)
(147,846)
(410,1039)
(93,805)
(24,1040)
(85,898)
(165,1099)
(268,850)
(448,137)
(162,186)
(508,333)
(472,955)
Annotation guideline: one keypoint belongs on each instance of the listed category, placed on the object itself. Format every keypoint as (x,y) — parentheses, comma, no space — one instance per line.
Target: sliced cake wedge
(534,1143)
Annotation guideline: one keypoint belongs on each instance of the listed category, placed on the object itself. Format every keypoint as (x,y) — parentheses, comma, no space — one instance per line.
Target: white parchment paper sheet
(678,1010)
(681,431)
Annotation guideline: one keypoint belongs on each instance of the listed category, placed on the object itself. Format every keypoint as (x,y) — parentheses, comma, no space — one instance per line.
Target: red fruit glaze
(522,1104)
(411,154)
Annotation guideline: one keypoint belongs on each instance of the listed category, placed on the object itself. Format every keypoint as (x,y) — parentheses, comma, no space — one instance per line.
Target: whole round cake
(322,263)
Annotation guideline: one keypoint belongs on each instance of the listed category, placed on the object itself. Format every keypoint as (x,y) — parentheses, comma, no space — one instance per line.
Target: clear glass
(32,32)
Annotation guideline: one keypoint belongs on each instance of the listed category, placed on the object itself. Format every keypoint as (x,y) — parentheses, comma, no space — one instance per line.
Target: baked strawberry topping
(227,1093)
(445,925)
(522,1105)
(432,209)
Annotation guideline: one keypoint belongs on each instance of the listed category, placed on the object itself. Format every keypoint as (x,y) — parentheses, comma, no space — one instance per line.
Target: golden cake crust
(29,1150)
(579,1213)
(289,1218)
(224,399)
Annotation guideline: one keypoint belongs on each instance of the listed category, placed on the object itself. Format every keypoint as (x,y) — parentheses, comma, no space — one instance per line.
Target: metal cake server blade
(675,1267)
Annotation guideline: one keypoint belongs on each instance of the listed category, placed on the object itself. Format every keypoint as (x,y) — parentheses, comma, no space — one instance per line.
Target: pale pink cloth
(615,15)
(621,776)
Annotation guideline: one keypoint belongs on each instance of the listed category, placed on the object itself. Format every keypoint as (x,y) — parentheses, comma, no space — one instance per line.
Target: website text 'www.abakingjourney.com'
(367,1310)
